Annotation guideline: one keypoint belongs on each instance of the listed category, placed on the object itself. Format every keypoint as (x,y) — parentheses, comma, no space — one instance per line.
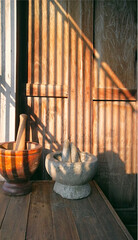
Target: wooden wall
(82,86)
(59,87)
(114,104)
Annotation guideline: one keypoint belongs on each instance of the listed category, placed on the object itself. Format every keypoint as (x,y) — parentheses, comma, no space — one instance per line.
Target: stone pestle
(66,154)
(21,134)
(75,156)
(70,153)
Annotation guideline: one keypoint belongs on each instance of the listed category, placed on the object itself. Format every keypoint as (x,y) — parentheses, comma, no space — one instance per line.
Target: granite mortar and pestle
(71,170)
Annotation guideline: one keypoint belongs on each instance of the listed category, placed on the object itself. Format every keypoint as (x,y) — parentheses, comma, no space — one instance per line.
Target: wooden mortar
(18,161)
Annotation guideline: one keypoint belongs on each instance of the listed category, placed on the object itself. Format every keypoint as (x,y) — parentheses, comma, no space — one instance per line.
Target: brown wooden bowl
(18,166)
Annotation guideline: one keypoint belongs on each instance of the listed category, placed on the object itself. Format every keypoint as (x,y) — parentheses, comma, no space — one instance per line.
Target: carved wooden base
(17,189)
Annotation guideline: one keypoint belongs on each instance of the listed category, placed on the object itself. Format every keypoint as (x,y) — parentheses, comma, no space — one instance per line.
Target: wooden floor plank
(64,226)
(40,225)
(4,201)
(113,215)
(45,215)
(15,220)
(104,215)
(85,219)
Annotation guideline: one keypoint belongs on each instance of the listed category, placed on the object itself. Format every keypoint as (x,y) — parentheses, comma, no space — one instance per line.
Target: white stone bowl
(71,178)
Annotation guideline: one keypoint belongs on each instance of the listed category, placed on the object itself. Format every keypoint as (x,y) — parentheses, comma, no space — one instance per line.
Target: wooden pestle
(21,134)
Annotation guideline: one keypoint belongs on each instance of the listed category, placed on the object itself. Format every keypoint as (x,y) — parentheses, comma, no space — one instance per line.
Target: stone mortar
(71,177)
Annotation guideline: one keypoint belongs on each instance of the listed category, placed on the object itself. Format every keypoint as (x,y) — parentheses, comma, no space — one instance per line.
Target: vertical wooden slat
(58,126)
(73,85)
(59,50)
(135,142)
(129,144)
(47,131)
(122,131)
(108,126)
(87,23)
(30,41)
(44,41)
(65,119)
(87,100)
(65,62)
(80,94)
(51,121)
(43,122)
(95,129)
(115,127)
(52,34)
(36,41)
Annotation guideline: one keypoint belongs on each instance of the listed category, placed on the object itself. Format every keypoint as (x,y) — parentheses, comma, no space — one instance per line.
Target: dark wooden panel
(114,134)
(114,112)
(115,40)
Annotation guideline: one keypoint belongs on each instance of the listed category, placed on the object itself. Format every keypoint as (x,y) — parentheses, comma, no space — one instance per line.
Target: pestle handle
(21,134)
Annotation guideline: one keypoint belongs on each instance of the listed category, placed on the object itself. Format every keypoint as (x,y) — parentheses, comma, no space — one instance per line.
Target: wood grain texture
(45,215)
(112,212)
(15,219)
(114,22)
(68,52)
(4,201)
(42,90)
(40,222)
(64,226)
(114,126)
(88,47)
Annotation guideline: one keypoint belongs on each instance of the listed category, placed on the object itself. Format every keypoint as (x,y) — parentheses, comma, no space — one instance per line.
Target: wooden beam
(114,94)
(42,90)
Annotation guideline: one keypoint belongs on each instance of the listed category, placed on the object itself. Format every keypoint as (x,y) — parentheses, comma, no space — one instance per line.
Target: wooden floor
(44,215)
